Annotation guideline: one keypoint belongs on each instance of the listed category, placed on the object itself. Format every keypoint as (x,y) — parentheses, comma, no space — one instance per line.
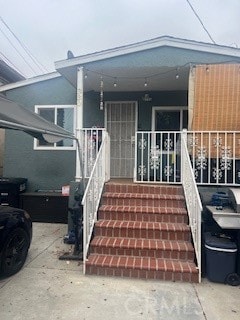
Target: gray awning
(13,116)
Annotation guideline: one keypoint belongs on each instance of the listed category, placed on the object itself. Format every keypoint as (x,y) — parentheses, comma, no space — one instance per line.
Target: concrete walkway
(47,288)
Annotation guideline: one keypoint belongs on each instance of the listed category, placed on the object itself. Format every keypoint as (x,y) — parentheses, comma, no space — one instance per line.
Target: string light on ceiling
(144,78)
(177,74)
(175,71)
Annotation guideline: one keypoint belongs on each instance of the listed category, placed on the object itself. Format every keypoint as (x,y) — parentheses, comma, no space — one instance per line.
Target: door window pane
(171,120)
(167,121)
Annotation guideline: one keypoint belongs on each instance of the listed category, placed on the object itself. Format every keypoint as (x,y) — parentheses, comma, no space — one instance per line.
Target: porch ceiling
(132,78)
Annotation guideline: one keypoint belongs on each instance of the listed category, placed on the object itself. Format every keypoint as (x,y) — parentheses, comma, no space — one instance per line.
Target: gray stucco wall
(43,169)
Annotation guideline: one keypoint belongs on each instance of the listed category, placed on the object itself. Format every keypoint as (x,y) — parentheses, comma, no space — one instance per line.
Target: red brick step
(142,229)
(142,267)
(153,214)
(143,199)
(180,250)
(143,188)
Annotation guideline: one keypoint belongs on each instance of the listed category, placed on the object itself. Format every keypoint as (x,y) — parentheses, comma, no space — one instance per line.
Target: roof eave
(146,45)
(29,81)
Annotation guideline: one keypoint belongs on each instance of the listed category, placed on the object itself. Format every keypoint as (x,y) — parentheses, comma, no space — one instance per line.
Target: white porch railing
(91,139)
(215,157)
(157,157)
(99,175)
(193,202)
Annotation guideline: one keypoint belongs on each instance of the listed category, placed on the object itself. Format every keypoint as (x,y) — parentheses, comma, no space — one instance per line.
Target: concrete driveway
(47,288)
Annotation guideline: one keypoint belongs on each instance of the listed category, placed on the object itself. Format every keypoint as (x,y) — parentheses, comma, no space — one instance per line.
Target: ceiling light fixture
(146,98)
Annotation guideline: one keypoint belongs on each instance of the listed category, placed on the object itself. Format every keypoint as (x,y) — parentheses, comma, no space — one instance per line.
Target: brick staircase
(142,232)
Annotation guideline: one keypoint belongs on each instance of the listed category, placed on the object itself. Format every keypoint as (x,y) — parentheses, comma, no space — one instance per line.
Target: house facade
(147,86)
(156,113)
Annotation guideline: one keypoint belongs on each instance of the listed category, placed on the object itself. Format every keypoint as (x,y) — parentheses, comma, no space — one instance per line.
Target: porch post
(79,122)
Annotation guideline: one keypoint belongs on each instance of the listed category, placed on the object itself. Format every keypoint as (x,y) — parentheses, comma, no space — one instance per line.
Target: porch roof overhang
(156,62)
(14,116)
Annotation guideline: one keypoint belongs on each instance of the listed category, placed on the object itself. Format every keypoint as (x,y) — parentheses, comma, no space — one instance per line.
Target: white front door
(121,126)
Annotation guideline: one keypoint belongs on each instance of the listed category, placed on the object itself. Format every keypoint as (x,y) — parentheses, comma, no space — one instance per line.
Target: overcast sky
(49,28)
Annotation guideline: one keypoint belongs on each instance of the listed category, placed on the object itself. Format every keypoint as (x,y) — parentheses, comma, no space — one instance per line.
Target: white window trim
(168,108)
(56,148)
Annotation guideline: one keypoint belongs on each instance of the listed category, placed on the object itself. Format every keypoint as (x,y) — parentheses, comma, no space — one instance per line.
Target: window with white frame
(61,115)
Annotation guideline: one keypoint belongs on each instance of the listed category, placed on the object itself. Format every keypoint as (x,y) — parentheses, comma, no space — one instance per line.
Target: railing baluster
(209,157)
(234,142)
(148,158)
(174,158)
(142,160)
(161,152)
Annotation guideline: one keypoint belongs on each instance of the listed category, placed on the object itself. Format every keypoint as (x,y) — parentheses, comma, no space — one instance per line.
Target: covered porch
(145,94)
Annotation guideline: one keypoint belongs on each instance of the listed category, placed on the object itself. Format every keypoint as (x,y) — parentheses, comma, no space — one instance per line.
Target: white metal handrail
(193,202)
(92,195)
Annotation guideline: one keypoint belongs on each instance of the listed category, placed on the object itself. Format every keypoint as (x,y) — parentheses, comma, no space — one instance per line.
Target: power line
(37,63)
(18,51)
(34,59)
(200,21)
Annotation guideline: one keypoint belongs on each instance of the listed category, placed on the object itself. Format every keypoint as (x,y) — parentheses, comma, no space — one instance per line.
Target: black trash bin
(221,254)
(10,189)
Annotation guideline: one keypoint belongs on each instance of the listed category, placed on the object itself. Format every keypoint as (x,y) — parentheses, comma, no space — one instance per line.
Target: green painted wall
(43,169)
(52,169)
(93,116)
(162,56)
